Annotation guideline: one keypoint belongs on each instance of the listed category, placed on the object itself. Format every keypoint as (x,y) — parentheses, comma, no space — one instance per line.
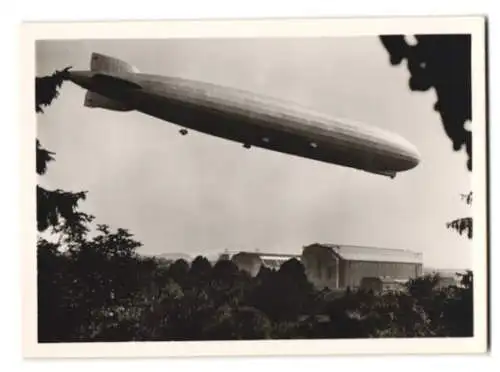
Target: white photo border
(334,27)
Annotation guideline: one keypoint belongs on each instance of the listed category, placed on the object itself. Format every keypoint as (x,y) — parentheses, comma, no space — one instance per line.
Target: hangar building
(338,266)
(341,266)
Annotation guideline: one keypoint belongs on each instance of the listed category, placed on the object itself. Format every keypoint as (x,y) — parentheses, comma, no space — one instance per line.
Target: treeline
(100,289)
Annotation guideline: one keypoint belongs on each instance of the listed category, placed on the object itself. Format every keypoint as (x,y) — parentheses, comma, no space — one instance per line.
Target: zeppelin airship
(244,117)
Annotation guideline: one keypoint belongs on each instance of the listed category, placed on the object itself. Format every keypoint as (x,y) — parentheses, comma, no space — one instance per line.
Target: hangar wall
(337,267)
(354,271)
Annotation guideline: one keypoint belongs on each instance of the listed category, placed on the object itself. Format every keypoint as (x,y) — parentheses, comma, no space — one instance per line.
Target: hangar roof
(359,253)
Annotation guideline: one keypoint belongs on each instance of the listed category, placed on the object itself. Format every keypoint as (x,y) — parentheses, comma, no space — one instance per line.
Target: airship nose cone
(410,153)
(405,154)
(416,158)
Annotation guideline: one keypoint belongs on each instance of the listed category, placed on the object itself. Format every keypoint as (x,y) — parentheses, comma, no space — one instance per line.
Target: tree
(88,288)
(81,290)
(178,271)
(464,224)
(56,208)
(423,287)
(225,271)
(200,270)
(53,276)
(238,323)
(459,310)
(294,270)
(442,62)
(47,88)
(283,295)
(228,285)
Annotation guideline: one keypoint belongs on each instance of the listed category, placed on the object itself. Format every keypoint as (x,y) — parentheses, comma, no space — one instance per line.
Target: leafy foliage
(59,209)
(283,294)
(463,225)
(43,157)
(47,88)
(442,62)
(86,284)
(56,209)
(101,290)
(238,323)
(467,198)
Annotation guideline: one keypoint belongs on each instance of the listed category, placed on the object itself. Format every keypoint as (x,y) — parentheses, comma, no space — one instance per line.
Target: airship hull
(252,119)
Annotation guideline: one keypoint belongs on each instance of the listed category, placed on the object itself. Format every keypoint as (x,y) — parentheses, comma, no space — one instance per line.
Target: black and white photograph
(256,185)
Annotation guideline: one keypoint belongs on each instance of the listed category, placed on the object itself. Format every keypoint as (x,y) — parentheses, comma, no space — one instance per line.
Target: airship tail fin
(103,63)
(108,65)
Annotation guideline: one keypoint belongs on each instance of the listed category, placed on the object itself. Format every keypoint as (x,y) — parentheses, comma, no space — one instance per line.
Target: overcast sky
(202,194)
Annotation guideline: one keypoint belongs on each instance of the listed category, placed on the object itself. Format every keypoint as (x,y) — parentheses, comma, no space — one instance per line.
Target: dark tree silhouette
(200,271)
(464,224)
(284,294)
(47,88)
(178,271)
(59,209)
(43,157)
(56,208)
(225,272)
(442,62)
(240,323)
(89,292)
